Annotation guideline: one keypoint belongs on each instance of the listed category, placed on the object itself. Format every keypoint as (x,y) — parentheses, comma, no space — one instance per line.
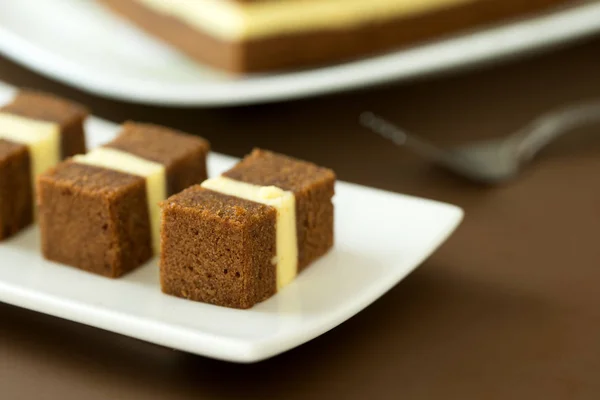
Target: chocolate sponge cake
(218,248)
(37,130)
(99,212)
(236,239)
(264,35)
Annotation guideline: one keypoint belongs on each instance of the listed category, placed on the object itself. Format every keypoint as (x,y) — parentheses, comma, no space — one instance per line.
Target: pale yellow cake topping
(154,173)
(286,258)
(229,20)
(42,139)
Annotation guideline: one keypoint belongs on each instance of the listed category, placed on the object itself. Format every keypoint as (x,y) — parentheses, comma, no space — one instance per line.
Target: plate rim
(509,39)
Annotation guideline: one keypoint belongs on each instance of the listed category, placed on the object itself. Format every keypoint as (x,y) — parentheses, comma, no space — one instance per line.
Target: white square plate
(81,43)
(380,238)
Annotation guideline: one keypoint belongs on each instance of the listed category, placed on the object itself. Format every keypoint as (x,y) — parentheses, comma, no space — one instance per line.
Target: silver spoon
(495,160)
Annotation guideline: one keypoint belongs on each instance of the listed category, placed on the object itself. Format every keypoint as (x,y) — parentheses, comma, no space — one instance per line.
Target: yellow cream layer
(286,258)
(154,173)
(229,20)
(42,139)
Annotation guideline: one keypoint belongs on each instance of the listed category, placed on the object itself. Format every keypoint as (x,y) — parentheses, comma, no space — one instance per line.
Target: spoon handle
(543,130)
(401,138)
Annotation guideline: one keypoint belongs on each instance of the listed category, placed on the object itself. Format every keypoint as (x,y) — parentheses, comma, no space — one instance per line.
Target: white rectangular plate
(380,238)
(80,43)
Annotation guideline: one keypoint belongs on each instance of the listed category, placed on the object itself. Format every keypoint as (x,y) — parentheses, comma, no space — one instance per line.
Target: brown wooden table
(508,308)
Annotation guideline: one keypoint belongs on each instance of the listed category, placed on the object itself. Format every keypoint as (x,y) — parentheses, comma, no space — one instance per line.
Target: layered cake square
(236,239)
(99,212)
(265,35)
(37,130)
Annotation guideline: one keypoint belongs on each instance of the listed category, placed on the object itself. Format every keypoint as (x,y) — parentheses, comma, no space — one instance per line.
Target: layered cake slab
(99,212)
(37,130)
(267,35)
(237,239)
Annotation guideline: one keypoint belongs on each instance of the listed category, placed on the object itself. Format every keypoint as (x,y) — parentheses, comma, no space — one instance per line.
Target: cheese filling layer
(41,138)
(229,20)
(286,258)
(154,174)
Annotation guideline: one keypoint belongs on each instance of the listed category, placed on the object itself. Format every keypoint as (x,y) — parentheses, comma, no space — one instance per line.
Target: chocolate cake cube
(313,187)
(95,219)
(239,223)
(36,131)
(69,116)
(16,199)
(217,249)
(99,212)
(182,154)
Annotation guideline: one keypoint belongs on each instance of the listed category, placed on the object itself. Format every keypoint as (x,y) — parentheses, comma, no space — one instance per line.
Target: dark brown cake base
(219,249)
(96,219)
(183,155)
(68,115)
(16,188)
(16,199)
(313,187)
(323,47)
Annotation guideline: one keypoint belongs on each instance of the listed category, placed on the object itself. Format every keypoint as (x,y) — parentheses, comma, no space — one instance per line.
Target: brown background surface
(508,308)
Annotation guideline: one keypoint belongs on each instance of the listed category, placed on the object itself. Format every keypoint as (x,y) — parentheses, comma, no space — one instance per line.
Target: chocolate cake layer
(313,187)
(312,48)
(16,198)
(37,130)
(94,218)
(99,211)
(265,219)
(217,249)
(196,44)
(46,107)
(183,155)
